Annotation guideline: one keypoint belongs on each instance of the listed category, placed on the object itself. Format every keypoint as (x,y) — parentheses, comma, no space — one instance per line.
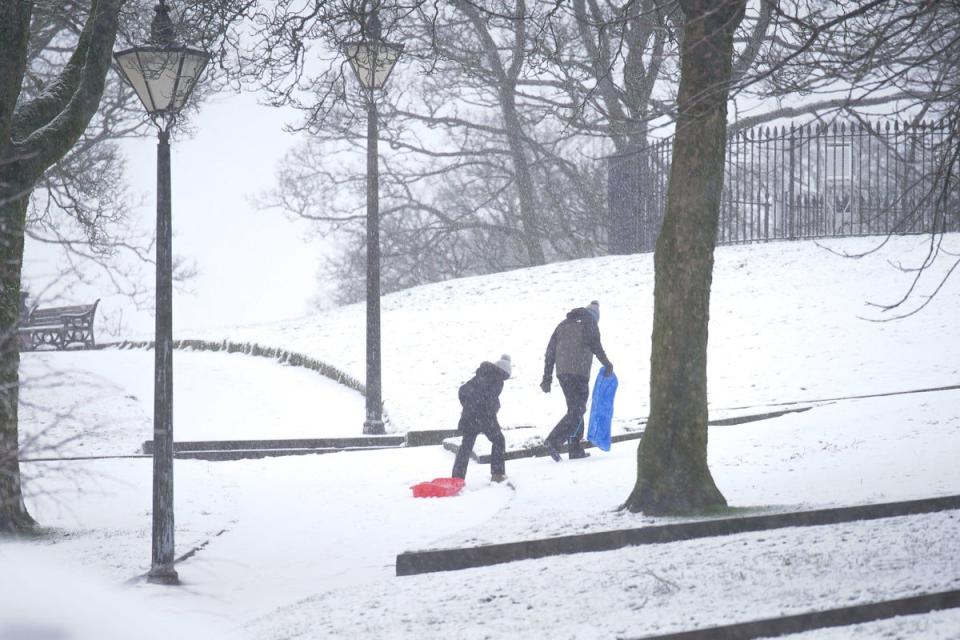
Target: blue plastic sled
(601,409)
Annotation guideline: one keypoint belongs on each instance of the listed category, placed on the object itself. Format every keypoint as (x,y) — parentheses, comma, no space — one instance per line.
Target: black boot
(551,450)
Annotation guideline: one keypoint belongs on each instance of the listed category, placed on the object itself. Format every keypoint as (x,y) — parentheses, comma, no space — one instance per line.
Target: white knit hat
(504,364)
(594,309)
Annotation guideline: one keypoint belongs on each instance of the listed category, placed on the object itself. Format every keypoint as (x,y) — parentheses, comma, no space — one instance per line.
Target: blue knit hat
(504,364)
(594,309)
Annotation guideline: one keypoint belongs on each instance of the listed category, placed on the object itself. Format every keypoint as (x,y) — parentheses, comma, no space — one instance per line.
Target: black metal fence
(811,181)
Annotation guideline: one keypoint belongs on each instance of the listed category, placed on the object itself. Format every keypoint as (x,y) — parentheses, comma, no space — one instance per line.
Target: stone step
(358,442)
(254,454)
(428,561)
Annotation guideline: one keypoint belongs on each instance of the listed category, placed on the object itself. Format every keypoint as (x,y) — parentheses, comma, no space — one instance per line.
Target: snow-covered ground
(304,546)
(217,396)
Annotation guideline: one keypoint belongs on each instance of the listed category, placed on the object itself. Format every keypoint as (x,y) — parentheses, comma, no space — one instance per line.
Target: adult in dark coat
(571,349)
(480,397)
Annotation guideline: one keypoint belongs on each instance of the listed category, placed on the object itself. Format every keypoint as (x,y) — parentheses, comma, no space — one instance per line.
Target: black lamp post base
(163,575)
(373,428)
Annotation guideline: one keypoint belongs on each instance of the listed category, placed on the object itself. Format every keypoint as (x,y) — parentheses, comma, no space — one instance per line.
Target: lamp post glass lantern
(163,73)
(372,60)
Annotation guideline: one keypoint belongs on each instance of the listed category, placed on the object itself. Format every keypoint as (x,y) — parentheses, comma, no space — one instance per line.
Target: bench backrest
(53,314)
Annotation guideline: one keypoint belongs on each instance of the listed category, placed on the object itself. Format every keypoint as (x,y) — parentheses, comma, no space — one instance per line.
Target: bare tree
(34,135)
(617,66)
(80,206)
(481,174)
(877,50)
(60,172)
(905,55)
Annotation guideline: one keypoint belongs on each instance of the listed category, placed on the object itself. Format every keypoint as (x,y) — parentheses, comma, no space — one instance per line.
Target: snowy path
(289,526)
(104,400)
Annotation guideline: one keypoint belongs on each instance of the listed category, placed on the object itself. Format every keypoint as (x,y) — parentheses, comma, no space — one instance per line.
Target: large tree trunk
(672,472)
(14,39)
(13,513)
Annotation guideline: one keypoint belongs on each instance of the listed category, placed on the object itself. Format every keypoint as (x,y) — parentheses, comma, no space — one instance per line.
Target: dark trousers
(576,390)
(497,463)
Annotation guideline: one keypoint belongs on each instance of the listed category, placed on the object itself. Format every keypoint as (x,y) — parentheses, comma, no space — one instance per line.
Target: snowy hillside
(786,326)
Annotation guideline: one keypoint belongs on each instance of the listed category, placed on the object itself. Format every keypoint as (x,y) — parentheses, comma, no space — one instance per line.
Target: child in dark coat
(480,397)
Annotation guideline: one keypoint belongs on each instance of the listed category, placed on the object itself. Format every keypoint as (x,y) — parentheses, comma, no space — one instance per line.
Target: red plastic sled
(438,488)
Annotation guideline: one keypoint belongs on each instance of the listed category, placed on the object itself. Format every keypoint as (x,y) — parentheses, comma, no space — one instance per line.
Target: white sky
(254,264)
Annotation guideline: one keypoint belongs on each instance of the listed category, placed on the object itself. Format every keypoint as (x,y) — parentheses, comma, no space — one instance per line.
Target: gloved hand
(608,370)
(545,384)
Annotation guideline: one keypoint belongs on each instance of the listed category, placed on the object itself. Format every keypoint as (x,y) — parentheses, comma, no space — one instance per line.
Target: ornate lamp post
(163,73)
(372,60)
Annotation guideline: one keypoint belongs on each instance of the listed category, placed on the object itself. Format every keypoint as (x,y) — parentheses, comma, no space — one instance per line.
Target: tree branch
(45,146)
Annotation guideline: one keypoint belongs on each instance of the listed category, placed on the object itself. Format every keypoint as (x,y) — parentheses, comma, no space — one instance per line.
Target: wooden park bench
(58,327)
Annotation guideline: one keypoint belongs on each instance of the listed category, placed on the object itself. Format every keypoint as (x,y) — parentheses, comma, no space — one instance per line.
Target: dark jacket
(480,397)
(573,344)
